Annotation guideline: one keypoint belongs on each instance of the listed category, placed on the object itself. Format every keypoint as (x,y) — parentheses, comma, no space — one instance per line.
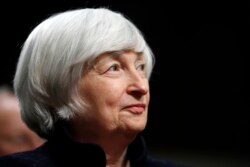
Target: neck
(115,148)
(116,160)
(113,144)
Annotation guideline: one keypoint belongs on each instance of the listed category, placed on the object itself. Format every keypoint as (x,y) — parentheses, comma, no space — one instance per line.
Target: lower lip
(135,110)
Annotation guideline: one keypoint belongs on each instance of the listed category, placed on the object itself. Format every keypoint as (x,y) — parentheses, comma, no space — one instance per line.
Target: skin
(15,136)
(117,88)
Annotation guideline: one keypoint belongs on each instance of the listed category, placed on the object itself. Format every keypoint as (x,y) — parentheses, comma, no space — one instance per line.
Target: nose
(138,85)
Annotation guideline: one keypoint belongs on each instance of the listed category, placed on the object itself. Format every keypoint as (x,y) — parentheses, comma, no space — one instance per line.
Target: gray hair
(56,53)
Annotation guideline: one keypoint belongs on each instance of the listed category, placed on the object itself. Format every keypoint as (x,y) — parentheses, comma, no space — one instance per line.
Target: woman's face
(117,91)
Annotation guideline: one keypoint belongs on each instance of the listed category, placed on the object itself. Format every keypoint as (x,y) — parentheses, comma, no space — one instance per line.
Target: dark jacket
(61,151)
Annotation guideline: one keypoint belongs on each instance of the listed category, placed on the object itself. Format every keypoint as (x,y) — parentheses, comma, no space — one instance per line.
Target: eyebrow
(119,53)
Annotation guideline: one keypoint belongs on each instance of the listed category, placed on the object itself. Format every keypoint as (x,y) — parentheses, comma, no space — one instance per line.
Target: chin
(136,128)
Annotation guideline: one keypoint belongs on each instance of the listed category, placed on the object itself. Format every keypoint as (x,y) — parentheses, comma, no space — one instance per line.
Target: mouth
(135,108)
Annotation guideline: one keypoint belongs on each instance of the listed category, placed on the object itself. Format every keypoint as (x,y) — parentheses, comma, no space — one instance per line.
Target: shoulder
(153,161)
(26,159)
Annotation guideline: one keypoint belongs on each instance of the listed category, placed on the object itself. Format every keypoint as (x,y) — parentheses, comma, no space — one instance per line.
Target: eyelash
(111,68)
(141,66)
(115,67)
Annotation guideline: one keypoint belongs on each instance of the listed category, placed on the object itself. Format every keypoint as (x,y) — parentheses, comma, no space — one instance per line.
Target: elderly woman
(15,136)
(82,83)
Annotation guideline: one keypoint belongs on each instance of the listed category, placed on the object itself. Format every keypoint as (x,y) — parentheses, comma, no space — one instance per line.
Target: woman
(82,82)
(15,136)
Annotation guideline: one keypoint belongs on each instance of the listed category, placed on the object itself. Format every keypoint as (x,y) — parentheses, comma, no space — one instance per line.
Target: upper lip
(136,105)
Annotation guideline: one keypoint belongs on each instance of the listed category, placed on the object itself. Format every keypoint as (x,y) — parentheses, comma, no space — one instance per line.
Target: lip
(137,108)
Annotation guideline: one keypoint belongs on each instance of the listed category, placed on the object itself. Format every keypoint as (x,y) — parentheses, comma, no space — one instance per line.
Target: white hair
(55,54)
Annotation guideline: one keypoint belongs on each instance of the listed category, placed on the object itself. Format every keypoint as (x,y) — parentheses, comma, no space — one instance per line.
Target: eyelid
(143,66)
(112,66)
(140,64)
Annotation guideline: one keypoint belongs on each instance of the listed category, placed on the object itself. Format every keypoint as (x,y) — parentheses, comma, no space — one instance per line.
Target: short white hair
(55,54)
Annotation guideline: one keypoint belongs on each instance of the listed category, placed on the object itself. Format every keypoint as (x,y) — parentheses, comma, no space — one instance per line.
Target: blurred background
(199,107)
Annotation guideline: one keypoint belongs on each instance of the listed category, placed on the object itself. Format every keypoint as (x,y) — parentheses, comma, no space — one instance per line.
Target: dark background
(199,91)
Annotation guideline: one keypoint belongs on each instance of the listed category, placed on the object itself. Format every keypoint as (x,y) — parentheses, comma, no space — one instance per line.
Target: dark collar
(68,152)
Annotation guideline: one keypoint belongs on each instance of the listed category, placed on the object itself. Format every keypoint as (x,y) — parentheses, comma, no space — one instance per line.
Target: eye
(141,67)
(114,67)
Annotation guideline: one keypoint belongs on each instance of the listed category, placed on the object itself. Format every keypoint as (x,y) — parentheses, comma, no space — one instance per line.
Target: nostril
(137,94)
(138,90)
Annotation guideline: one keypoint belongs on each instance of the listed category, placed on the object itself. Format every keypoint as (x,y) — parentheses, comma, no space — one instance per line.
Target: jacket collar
(70,152)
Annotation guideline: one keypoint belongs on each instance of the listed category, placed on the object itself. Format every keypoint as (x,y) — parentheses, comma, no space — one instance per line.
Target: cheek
(103,93)
(110,86)
(148,97)
(112,93)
